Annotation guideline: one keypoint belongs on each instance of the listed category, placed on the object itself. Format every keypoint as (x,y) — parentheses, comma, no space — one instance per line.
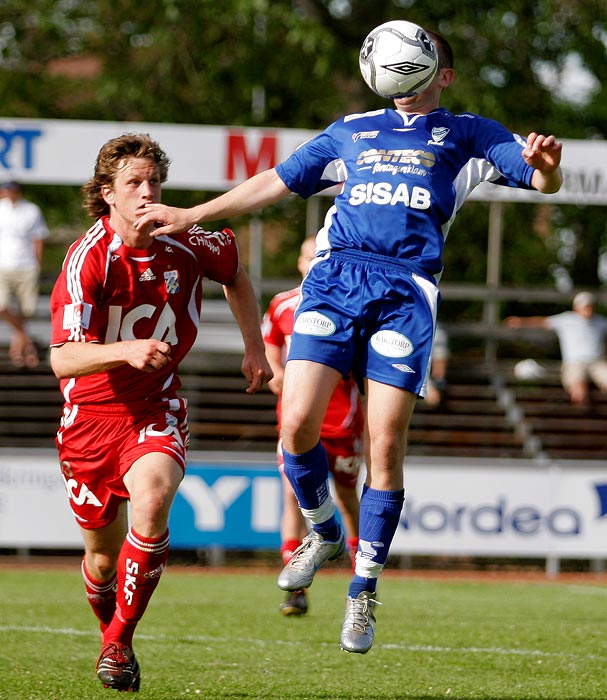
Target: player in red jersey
(125,311)
(341,434)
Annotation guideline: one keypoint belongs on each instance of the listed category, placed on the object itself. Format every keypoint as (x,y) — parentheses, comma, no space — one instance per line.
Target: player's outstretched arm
(257,192)
(243,304)
(544,154)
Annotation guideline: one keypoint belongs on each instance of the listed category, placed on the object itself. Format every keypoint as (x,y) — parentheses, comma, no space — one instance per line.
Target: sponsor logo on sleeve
(77,315)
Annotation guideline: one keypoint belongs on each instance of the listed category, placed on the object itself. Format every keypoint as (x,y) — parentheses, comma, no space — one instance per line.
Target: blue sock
(308,474)
(379,517)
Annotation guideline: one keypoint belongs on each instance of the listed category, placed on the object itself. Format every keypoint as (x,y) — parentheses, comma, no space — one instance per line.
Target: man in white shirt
(22,233)
(581,334)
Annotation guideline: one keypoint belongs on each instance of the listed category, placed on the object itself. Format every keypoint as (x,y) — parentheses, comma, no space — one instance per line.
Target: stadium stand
(486,411)
(479,417)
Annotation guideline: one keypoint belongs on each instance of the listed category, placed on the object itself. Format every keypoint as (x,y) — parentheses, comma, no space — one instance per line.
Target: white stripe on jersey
(75,262)
(74,268)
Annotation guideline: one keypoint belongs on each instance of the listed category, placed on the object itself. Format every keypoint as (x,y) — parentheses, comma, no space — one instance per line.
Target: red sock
(352,546)
(140,564)
(101,596)
(287,548)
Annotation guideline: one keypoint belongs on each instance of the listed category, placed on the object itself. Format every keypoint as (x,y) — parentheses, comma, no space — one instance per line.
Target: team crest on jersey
(171,280)
(439,134)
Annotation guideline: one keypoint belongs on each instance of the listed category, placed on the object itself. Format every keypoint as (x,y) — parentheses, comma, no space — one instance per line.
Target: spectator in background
(581,334)
(438,367)
(22,233)
(341,434)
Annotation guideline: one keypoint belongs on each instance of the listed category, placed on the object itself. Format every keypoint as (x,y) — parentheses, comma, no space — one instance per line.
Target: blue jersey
(405,177)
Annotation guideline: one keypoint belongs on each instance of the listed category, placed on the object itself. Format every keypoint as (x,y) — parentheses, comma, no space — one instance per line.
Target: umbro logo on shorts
(403,368)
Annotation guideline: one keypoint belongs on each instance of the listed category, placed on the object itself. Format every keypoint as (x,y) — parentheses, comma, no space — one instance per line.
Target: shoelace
(115,655)
(358,614)
(300,561)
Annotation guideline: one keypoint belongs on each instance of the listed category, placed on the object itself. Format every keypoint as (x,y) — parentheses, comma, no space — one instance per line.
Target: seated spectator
(581,334)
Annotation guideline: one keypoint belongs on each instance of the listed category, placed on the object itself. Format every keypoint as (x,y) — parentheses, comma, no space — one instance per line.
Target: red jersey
(344,414)
(107,292)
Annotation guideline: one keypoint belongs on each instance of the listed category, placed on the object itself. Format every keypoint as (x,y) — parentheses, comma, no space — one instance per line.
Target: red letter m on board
(244,162)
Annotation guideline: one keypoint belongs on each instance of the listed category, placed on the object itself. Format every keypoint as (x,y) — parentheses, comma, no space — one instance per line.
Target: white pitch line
(424,648)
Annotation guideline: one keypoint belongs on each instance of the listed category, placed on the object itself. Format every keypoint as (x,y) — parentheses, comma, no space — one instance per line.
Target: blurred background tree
(294,63)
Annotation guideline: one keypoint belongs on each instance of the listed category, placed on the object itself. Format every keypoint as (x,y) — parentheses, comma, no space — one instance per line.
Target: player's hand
(147,355)
(256,370)
(543,152)
(167,220)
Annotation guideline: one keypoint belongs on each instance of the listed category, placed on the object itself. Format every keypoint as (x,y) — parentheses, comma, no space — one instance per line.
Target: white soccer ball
(398,59)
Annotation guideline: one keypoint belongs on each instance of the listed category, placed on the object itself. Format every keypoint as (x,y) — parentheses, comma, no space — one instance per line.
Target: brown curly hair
(110,159)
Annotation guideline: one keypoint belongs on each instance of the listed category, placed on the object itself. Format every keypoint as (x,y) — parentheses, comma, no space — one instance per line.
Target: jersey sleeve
(270,328)
(503,150)
(305,171)
(74,297)
(217,251)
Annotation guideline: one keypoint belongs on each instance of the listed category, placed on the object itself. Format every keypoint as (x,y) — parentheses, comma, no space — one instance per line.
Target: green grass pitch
(219,635)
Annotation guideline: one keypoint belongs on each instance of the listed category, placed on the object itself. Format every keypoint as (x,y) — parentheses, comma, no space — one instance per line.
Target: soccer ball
(398,59)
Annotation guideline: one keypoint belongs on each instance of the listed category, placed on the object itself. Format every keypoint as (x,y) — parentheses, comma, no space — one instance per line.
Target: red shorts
(98,445)
(345,458)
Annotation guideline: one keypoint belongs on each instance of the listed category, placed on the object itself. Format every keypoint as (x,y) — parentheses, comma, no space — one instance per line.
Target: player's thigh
(307,388)
(153,480)
(389,411)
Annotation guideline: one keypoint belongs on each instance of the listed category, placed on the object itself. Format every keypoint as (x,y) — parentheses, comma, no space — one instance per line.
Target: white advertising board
(33,509)
(63,152)
(509,509)
(473,507)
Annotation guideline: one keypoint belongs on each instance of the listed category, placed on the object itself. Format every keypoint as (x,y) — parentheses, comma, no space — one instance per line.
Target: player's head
(443,50)
(111,158)
(429,98)
(306,253)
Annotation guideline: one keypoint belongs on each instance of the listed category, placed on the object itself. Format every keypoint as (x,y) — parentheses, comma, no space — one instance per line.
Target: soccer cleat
(311,554)
(296,603)
(359,625)
(118,668)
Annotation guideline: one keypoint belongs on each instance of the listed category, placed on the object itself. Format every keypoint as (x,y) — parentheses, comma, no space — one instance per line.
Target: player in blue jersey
(369,300)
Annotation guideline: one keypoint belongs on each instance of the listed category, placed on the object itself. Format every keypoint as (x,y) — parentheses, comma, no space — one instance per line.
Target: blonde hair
(110,158)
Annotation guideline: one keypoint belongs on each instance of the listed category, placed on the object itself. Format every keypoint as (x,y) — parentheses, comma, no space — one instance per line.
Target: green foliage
(294,63)
(219,635)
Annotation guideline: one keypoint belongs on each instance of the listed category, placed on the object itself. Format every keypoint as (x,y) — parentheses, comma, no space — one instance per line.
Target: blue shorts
(367,314)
